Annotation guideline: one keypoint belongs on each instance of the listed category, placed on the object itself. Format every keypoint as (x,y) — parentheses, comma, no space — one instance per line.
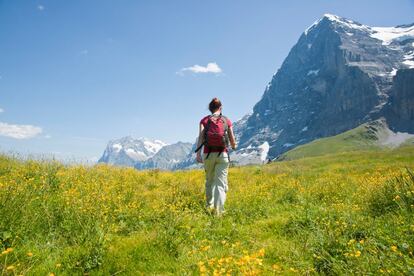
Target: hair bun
(214,105)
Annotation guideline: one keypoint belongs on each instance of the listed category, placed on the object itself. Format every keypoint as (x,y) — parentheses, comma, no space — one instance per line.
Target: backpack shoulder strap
(204,133)
(208,123)
(224,120)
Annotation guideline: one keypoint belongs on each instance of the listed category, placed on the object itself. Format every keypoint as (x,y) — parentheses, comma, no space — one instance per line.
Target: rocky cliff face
(400,112)
(338,76)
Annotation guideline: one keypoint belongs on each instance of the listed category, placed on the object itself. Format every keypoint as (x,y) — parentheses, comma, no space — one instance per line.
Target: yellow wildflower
(394,248)
(202,269)
(261,252)
(357,253)
(7,251)
(275,267)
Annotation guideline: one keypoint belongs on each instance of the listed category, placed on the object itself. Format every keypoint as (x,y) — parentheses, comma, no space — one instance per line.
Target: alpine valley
(340,75)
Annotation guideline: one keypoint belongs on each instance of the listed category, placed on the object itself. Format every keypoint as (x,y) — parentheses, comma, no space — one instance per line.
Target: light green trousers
(216,167)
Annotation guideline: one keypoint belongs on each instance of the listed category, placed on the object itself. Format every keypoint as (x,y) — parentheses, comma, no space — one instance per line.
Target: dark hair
(214,105)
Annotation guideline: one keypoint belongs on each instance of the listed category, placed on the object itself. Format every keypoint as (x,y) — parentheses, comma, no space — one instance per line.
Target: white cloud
(211,67)
(1,110)
(19,131)
(40,7)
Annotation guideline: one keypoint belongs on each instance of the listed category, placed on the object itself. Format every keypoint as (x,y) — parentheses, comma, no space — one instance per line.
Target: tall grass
(337,214)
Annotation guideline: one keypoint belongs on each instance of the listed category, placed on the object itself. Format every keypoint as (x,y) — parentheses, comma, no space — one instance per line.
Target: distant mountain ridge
(144,153)
(167,158)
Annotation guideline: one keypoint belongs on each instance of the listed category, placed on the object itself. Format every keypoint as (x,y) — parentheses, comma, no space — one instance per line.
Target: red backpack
(215,134)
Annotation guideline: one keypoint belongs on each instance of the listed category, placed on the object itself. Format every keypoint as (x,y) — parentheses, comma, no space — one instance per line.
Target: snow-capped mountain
(127,151)
(144,153)
(339,75)
(167,157)
(189,161)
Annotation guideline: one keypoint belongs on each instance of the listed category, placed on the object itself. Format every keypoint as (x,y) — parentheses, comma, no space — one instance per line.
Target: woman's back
(215,135)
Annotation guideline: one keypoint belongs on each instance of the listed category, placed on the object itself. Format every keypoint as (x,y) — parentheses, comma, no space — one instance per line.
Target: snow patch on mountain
(313,72)
(264,149)
(250,155)
(389,35)
(136,155)
(395,139)
(393,72)
(387,137)
(117,147)
(409,59)
(409,63)
(154,146)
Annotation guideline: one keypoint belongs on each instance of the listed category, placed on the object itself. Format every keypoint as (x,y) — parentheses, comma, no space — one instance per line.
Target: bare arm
(200,139)
(232,139)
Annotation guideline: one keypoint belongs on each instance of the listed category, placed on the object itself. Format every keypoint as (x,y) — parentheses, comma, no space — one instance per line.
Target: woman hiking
(215,134)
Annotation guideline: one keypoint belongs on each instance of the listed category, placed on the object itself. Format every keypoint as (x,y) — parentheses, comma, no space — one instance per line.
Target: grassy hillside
(367,137)
(337,214)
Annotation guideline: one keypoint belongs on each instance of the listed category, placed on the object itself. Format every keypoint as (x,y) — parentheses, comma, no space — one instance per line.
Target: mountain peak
(342,20)
(336,20)
(332,17)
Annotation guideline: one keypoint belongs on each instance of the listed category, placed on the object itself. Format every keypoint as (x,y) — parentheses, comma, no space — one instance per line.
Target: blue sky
(75,74)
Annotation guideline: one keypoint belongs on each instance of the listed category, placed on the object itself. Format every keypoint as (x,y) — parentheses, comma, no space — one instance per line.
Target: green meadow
(343,213)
